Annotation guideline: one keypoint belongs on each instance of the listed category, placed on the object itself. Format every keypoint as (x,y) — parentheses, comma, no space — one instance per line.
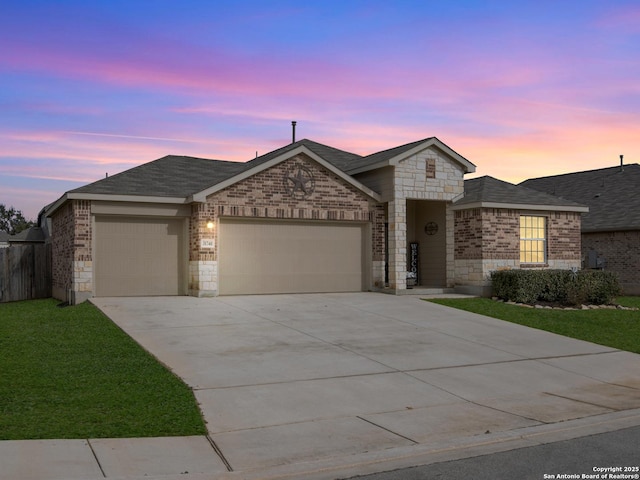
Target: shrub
(555,286)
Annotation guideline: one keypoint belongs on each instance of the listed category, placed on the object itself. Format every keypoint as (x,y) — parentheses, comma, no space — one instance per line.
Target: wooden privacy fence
(25,272)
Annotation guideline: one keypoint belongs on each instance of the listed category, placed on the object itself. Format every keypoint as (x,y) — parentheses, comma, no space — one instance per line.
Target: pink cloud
(201,70)
(622,19)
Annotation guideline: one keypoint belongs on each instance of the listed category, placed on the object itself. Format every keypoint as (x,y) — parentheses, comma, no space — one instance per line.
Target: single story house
(611,228)
(304,218)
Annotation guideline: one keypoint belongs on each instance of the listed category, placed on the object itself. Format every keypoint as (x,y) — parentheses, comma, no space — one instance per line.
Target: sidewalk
(195,458)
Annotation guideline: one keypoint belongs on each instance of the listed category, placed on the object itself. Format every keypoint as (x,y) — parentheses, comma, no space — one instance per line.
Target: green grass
(72,373)
(614,328)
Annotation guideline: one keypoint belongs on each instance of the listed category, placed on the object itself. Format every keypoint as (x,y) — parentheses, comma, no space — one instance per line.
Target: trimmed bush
(556,286)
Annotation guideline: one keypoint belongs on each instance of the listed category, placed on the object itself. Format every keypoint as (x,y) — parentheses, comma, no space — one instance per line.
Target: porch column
(398,244)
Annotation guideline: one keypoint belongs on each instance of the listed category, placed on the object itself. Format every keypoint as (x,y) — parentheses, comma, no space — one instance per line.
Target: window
(533,239)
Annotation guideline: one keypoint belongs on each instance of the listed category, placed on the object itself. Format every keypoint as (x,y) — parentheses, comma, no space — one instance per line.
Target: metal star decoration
(301,183)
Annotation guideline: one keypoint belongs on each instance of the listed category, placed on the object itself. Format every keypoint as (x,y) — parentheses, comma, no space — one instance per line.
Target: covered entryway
(269,256)
(427,227)
(139,256)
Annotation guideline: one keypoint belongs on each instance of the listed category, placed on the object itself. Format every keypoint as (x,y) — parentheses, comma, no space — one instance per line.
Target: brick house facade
(304,218)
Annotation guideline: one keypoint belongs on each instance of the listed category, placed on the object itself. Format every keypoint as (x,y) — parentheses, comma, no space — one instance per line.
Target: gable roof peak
(392,155)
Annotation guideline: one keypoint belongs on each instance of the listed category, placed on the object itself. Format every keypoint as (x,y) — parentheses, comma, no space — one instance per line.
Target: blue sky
(522,89)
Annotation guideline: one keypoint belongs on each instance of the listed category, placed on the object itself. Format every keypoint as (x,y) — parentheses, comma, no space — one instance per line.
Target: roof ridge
(416,142)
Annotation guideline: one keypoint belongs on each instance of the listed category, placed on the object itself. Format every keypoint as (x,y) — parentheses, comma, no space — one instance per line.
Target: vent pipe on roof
(621,164)
(293,131)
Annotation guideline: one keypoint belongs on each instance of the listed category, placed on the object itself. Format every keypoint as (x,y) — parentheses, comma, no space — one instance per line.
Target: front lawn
(613,328)
(72,373)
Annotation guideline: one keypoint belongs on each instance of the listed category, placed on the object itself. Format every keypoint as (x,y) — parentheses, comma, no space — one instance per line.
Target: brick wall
(71,250)
(488,239)
(468,234)
(265,195)
(621,251)
(487,233)
(564,236)
(62,229)
(493,233)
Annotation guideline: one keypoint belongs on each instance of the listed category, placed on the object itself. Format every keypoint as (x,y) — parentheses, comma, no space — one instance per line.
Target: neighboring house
(4,239)
(499,225)
(304,218)
(611,229)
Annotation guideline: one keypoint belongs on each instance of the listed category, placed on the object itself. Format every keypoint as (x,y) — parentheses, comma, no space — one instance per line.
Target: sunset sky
(522,89)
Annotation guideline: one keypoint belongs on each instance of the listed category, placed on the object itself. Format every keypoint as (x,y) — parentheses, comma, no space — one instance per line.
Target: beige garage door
(139,256)
(290,257)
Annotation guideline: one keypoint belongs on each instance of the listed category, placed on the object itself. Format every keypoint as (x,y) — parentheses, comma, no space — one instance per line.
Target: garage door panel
(290,257)
(138,256)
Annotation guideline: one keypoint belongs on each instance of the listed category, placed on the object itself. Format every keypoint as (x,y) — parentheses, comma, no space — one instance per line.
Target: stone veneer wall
(264,195)
(72,265)
(621,252)
(488,239)
(427,175)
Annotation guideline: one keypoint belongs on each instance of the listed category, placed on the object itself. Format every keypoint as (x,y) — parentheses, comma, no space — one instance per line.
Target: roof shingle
(491,190)
(610,193)
(170,176)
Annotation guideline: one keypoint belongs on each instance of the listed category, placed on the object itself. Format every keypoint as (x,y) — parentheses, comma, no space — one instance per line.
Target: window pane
(532,239)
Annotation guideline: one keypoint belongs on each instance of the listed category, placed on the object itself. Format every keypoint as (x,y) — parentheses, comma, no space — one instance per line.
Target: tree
(12,221)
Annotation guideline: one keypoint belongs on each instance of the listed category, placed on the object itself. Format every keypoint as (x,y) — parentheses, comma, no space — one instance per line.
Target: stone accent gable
(428,175)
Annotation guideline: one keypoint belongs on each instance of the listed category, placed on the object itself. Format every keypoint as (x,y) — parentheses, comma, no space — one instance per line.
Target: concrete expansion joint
(219,453)
(93,452)
(388,430)
(612,409)
(299,380)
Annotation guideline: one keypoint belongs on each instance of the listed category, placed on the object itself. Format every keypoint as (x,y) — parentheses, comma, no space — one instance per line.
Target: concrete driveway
(285,379)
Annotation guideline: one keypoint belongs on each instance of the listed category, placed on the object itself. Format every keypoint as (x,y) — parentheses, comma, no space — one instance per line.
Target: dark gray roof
(338,158)
(181,176)
(384,155)
(170,176)
(31,234)
(491,190)
(4,236)
(610,193)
